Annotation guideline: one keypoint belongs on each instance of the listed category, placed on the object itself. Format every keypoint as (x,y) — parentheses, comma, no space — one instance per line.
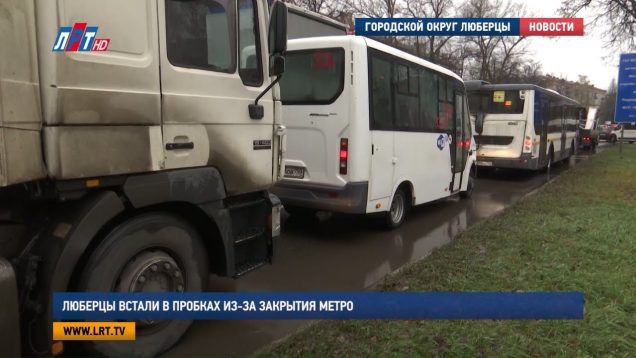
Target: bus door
(544,117)
(460,144)
(563,131)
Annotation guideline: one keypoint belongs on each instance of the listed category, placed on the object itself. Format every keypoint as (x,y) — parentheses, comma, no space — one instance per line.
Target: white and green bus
(522,126)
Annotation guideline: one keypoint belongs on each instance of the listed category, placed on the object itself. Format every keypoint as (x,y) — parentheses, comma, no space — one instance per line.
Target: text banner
(317,305)
(469,26)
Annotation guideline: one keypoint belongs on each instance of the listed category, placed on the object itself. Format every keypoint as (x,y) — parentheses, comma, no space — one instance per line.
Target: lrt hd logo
(80,37)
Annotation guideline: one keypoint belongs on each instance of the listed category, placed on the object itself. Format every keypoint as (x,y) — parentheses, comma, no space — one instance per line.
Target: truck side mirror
(277,43)
(277,37)
(479,123)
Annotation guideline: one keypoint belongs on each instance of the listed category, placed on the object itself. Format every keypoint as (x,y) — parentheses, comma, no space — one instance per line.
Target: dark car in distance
(588,139)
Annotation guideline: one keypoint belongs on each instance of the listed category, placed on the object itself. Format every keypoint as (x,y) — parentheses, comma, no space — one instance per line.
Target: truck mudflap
(254,238)
(9,318)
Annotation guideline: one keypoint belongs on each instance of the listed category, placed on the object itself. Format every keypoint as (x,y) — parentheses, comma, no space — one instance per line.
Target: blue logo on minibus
(441,141)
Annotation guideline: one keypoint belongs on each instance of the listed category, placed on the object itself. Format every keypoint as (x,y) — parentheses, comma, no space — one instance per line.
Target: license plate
(294,172)
(484,164)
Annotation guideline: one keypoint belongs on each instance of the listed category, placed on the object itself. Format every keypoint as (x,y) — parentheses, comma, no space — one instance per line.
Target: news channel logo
(79,38)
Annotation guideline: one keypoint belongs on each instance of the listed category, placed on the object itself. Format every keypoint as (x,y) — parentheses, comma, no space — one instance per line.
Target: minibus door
(459,152)
(382,164)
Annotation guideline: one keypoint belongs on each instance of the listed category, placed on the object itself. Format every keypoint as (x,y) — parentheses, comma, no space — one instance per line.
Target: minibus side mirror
(479,123)
(277,43)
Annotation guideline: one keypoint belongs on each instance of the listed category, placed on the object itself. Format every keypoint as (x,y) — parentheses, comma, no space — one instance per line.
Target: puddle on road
(349,253)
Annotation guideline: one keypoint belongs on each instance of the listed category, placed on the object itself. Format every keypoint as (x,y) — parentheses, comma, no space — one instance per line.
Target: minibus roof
(335,41)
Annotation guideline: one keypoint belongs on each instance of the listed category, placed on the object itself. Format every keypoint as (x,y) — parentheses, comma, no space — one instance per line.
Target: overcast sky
(571,56)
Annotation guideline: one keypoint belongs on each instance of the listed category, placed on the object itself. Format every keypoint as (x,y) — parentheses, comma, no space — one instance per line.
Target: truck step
(246,267)
(249,235)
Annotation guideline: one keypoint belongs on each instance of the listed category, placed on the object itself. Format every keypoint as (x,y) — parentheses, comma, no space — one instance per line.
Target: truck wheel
(153,252)
(397,212)
(470,186)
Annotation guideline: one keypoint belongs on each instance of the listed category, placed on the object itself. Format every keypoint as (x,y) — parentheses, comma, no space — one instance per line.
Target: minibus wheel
(397,211)
(470,186)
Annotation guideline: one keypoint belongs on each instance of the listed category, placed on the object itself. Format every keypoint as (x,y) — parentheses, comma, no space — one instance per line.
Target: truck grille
(494,139)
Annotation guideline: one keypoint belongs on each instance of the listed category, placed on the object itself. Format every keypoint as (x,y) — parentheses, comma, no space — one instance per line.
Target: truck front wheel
(152,252)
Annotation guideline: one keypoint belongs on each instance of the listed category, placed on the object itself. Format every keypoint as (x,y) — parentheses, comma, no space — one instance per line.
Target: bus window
(380,88)
(505,102)
(556,113)
(313,76)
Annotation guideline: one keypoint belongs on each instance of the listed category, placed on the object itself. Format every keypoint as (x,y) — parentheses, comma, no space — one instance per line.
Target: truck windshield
(313,76)
(496,102)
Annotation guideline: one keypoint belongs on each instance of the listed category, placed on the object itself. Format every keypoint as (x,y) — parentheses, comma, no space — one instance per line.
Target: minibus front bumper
(525,161)
(351,198)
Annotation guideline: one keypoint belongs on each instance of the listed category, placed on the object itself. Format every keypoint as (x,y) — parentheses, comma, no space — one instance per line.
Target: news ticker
(92,306)
(469,26)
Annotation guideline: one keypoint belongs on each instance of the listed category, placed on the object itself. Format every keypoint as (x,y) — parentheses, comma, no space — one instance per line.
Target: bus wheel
(470,186)
(152,252)
(397,212)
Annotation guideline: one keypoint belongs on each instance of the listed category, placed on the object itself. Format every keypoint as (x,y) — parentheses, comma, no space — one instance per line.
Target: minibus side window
(446,112)
(402,79)
(406,100)
(428,100)
(381,96)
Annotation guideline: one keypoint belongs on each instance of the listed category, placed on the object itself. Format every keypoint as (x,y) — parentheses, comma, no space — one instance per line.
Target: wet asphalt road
(342,253)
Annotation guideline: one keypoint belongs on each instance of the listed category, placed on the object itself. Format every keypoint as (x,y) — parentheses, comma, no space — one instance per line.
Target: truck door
(210,73)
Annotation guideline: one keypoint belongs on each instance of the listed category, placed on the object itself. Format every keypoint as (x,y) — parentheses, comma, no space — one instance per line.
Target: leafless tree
(617,17)
(607,107)
(492,58)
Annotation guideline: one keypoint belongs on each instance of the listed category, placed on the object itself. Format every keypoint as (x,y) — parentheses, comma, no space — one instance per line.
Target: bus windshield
(496,102)
(312,76)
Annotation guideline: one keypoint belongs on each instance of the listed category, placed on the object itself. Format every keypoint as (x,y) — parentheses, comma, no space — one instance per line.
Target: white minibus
(522,126)
(371,129)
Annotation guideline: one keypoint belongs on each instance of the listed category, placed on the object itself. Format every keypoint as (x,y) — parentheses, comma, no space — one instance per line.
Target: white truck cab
(131,139)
